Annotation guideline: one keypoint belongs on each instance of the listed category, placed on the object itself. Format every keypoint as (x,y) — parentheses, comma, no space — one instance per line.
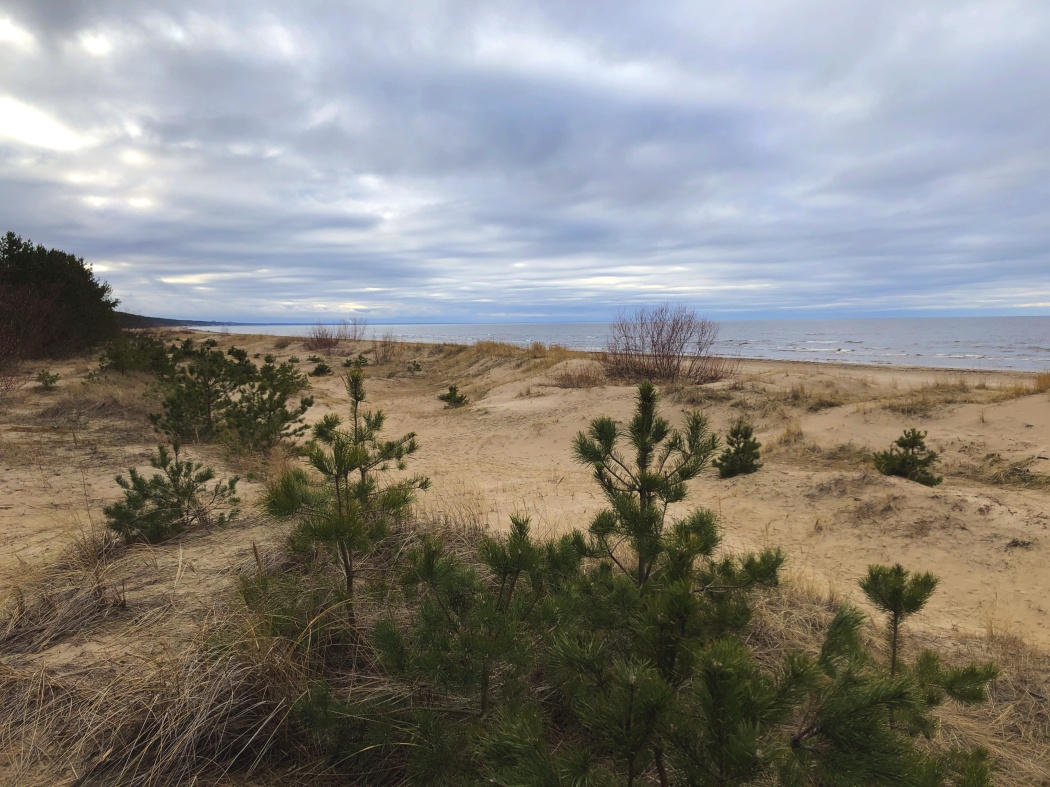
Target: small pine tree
(453,398)
(260,418)
(900,594)
(199,394)
(639,494)
(909,458)
(741,454)
(139,352)
(171,501)
(47,379)
(354,509)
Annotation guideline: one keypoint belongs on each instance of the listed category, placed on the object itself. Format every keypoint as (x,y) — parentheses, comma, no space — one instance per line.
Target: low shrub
(47,379)
(321,370)
(453,398)
(909,458)
(141,352)
(741,454)
(171,501)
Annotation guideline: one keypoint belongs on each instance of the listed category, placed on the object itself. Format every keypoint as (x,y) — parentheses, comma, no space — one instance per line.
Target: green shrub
(453,398)
(909,458)
(140,352)
(741,454)
(260,417)
(199,394)
(360,360)
(321,370)
(214,394)
(47,379)
(315,359)
(171,501)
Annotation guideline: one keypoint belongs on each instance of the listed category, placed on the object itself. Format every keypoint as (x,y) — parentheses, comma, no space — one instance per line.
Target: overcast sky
(501,161)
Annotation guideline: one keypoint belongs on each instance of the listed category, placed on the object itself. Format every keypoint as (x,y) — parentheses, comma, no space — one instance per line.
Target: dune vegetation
(549,584)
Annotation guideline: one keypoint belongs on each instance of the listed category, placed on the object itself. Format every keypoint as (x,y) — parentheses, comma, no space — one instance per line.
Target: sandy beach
(983,531)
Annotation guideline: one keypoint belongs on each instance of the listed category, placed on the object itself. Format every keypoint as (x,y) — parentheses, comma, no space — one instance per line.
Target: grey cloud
(462,159)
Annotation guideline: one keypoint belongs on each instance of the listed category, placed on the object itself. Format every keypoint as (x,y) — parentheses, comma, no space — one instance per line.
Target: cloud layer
(534,160)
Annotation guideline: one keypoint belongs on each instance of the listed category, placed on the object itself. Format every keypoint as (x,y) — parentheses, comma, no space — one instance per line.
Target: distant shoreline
(748,361)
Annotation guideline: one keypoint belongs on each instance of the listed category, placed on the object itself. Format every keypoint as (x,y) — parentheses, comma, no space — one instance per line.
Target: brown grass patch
(798,395)
(584,374)
(74,594)
(172,723)
(127,398)
(698,395)
(926,400)
(997,471)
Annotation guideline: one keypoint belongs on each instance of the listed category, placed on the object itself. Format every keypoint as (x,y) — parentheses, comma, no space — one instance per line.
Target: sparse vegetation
(47,380)
(323,338)
(578,374)
(385,348)
(446,654)
(321,370)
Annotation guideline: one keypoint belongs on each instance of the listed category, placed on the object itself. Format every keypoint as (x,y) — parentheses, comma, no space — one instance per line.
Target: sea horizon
(1016,343)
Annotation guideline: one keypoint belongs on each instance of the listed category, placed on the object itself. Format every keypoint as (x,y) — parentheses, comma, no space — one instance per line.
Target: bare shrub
(282,342)
(385,348)
(322,338)
(665,343)
(586,374)
(353,330)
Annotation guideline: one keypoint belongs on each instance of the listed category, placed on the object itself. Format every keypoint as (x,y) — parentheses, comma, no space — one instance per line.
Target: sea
(989,343)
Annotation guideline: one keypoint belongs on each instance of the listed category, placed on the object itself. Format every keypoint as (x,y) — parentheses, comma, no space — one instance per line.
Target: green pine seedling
(900,594)
(640,491)
(741,454)
(909,458)
(353,509)
(453,398)
(47,379)
(171,501)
